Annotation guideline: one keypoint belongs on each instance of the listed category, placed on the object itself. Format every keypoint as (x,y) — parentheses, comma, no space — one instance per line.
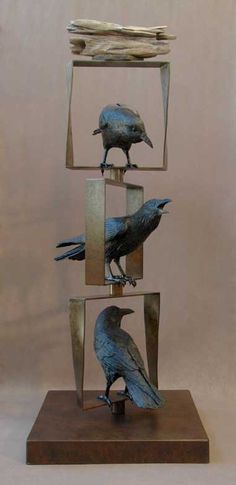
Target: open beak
(163,211)
(146,139)
(126,311)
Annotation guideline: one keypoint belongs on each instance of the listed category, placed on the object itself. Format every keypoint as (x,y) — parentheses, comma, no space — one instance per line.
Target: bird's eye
(133,128)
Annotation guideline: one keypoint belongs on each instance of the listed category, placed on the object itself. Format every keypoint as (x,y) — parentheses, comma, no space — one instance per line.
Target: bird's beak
(146,139)
(163,211)
(126,311)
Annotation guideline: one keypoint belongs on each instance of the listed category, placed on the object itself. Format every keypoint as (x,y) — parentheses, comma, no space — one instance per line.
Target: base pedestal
(65,434)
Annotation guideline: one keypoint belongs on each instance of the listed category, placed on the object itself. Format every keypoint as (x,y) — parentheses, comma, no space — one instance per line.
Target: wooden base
(65,434)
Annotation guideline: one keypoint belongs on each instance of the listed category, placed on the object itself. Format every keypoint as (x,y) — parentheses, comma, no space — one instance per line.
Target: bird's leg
(105,398)
(125,393)
(104,163)
(113,278)
(130,280)
(129,164)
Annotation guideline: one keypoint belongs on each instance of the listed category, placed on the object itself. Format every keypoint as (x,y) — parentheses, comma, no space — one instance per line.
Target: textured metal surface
(134,260)
(77,315)
(151,319)
(116,290)
(165,84)
(165,81)
(95,233)
(64,434)
(78,330)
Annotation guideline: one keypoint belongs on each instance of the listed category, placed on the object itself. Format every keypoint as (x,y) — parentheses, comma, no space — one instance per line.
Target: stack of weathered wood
(104,40)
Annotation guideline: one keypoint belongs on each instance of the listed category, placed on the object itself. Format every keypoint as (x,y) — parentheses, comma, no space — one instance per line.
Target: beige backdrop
(190,259)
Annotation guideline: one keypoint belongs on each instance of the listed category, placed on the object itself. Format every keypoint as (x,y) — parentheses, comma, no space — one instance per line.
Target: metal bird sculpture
(122,236)
(119,357)
(120,126)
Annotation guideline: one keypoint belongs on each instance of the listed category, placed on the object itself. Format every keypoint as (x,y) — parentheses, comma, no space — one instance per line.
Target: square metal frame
(95,229)
(164,67)
(77,316)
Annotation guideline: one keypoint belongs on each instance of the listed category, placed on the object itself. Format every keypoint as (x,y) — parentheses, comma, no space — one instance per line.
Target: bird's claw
(105,399)
(116,280)
(130,166)
(105,166)
(125,394)
(130,280)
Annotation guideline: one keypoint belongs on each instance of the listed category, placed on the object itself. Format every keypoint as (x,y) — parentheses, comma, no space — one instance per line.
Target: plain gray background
(190,259)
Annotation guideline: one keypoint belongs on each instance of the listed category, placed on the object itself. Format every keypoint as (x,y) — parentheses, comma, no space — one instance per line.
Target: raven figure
(120,126)
(119,357)
(122,236)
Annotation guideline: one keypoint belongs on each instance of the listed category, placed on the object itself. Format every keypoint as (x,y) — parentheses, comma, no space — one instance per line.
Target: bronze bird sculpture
(120,126)
(122,236)
(119,357)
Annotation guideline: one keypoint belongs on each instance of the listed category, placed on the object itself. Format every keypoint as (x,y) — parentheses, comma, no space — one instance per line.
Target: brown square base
(64,434)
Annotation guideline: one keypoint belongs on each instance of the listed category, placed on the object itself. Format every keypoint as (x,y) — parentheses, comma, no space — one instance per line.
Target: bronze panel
(95,224)
(77,315)
(151,319)
(95,232)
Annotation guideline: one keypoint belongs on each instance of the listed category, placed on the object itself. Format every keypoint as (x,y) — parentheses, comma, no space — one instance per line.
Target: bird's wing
(120,353)
(103,121)
(129,111)
(116,227)
(71,241)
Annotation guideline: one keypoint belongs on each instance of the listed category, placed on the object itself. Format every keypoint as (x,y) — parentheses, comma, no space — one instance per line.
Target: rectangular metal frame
(95,229)
(77,307)
(164,67)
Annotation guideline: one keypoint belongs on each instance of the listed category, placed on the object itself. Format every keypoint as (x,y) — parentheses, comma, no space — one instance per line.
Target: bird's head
(113,315)
(137,133)
(156,206)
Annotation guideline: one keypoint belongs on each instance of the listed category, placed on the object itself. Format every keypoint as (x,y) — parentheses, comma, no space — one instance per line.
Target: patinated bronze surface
(119,356)
(164,68)
(123,235)
(120,127)
(65,434)
(78,307)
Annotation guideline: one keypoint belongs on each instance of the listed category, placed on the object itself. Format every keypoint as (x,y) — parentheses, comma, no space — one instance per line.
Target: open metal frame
(165,84)
(95,229)
(77,308)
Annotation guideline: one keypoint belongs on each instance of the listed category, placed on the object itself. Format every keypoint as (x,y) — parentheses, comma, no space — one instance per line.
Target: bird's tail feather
(95,132)
(144,393)
(77,253)
(70,242)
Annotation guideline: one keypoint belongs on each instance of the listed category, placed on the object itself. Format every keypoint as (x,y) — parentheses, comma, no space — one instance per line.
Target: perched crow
(120,126)
(122,236)
(120,357)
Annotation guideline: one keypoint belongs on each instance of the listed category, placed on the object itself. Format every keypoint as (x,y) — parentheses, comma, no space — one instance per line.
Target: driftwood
(104,39)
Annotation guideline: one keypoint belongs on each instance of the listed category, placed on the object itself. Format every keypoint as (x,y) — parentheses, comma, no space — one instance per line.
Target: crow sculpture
(120,126)
(119,357)
(122,236)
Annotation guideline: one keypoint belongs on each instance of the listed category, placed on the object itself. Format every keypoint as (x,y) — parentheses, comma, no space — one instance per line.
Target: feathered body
(120,127)
(120,357)
(122,234)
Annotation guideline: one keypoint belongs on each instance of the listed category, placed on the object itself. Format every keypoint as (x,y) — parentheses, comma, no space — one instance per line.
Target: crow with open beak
(120,126)
(122,236)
